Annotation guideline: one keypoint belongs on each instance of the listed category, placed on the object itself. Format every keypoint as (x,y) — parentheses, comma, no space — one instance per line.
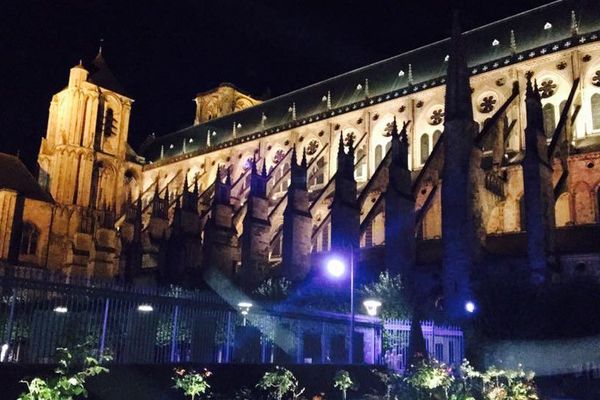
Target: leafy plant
(431,378)
(192,383)
(68,383)
(279,383)
(343,382)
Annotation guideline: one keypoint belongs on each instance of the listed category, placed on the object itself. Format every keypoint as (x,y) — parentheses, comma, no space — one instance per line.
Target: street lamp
(336,268)
(244,309)
(372,305)
(470,307)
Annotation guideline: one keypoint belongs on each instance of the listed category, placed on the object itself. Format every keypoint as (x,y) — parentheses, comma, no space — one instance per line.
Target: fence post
(9,326)
(104,326)
(228,338)
(174,334)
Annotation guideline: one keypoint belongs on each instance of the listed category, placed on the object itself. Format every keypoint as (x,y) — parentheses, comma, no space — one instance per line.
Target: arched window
(595,103)
(286,181)
(95,190)
(378,155)
(109,121)
(436,137)
(29,239)
(361,163)
(388,146)
(549,119)
(424,147)
(317,175)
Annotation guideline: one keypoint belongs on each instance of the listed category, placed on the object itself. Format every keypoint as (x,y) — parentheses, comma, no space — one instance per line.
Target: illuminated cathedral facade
(477,151)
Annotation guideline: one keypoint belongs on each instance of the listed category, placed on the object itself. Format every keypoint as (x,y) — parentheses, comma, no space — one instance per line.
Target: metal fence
(444,343)
(41,310)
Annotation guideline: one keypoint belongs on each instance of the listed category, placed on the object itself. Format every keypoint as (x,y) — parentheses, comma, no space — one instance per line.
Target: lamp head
(372,305)
(336,267)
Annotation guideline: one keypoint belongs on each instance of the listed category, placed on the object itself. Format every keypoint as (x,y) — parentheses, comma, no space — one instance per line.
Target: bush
(279,383)
(69,382)
(192,383)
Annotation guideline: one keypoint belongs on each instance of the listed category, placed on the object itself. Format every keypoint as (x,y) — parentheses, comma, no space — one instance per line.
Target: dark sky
(164,52)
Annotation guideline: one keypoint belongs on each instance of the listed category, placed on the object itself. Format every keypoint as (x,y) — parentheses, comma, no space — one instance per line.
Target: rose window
(596,79)
(279,155)
(312,147)
(350,138)
(487,104)
(547,88)
(437,117)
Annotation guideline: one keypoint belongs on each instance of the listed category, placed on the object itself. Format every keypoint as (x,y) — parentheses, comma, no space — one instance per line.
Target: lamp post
(336,268)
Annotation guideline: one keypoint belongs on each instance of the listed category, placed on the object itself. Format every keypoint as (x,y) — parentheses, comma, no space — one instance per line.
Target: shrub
(279,383)
(192,383)
(68,382)
(343,382)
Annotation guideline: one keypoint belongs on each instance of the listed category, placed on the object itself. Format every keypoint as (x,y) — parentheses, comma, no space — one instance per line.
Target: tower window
(109,122)
(29,239)
(595,104)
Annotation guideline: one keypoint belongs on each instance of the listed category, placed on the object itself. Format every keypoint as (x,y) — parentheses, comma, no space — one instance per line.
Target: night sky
(164,52)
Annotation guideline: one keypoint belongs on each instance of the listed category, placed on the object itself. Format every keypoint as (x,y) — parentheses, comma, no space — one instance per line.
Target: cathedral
(477,151)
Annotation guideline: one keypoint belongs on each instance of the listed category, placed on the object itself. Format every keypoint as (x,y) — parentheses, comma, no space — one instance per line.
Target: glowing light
(547,26)
(145,308)
(401,73)
(239,125)
(372,305)
(244,307)
(447,58)
(495,42)
(60,309)
(359,87)
(171,146)
(324,98)
(470,307)
(336,267)
(3,352)
(214,133)
(191,140)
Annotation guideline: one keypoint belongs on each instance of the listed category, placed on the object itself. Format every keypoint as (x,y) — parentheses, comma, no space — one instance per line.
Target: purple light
(336,267)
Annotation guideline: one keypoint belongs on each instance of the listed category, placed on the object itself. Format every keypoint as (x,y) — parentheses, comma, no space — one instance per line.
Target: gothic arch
(30,239)
(562,210)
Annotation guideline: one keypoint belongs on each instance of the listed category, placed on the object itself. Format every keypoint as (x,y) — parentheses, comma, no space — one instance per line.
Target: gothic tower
(345,211)
(82,163)
(297,223)
(539,195)
(220,250)
(184,244)
(458,208)
(83,155)
(255,238)
(399,208)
